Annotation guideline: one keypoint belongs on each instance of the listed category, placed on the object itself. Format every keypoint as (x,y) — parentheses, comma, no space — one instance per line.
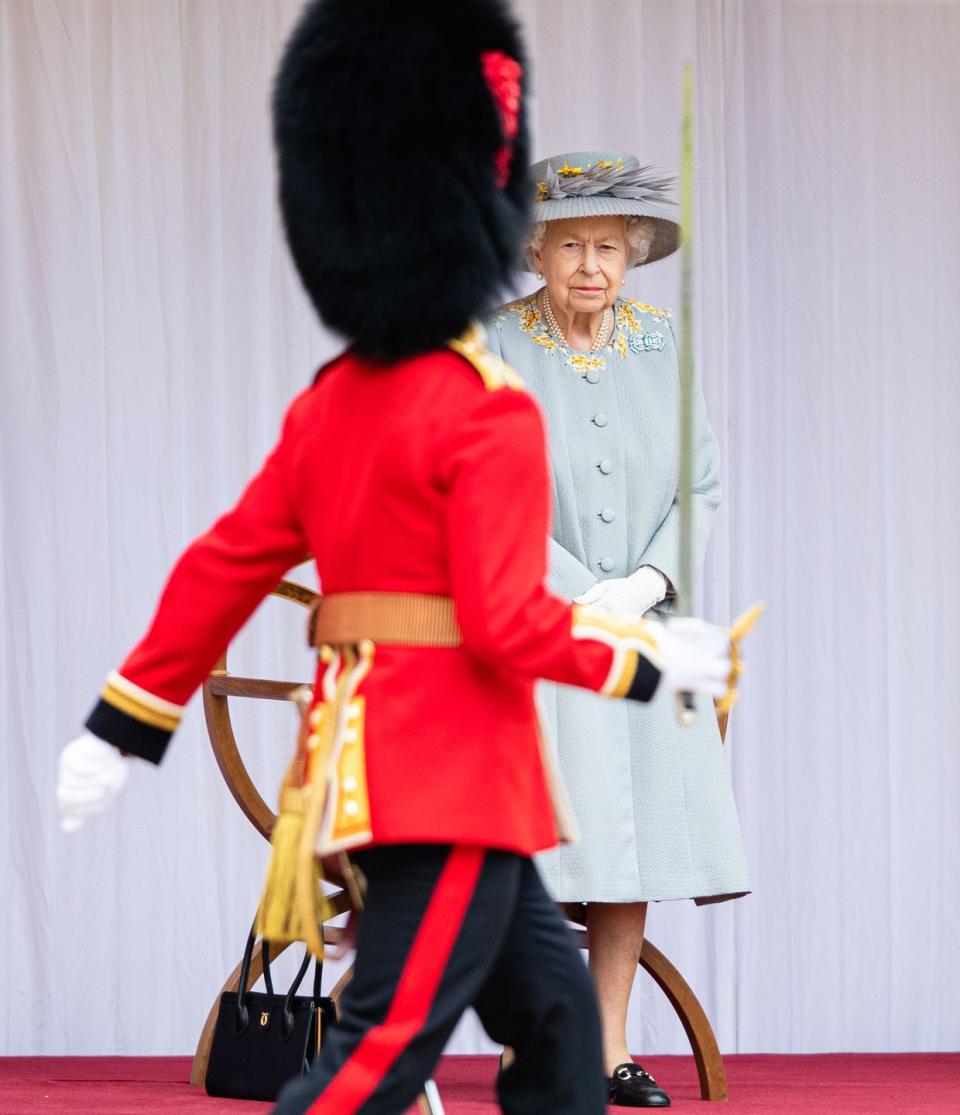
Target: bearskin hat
(402,149)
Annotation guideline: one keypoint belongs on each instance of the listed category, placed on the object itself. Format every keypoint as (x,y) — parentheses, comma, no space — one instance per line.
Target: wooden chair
(220,686)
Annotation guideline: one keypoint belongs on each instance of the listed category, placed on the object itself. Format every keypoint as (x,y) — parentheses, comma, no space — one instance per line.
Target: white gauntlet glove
(694,655)
(91,775)
(631,596)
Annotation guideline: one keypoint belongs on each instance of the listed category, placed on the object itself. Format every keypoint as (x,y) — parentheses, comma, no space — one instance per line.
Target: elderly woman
(653,800)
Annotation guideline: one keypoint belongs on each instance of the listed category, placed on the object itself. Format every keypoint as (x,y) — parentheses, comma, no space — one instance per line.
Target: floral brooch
(647,342)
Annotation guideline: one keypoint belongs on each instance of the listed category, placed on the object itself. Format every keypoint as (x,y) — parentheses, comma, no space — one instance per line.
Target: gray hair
(640,233)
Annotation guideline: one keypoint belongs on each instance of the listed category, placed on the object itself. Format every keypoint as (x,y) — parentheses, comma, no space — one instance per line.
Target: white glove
(694,655)
(91,775)
(631,596)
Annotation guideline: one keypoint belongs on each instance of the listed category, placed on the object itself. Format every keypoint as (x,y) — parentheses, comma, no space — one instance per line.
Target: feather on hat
(603,183)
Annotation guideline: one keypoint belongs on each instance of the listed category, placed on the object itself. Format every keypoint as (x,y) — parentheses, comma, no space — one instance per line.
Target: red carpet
(822,1084)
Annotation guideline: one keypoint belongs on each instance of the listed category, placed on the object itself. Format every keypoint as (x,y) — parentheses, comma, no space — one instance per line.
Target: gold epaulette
(494,372)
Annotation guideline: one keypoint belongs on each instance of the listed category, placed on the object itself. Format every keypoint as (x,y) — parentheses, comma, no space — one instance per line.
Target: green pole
(685,483)
(686,707)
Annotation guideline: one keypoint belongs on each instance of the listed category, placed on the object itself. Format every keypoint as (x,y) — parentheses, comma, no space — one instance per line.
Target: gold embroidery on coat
(627,325)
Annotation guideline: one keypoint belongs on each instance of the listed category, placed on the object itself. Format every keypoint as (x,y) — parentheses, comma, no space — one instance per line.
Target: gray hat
(601,183)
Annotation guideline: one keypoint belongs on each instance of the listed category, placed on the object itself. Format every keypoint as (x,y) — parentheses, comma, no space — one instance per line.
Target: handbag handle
(298,978)
(243,1014)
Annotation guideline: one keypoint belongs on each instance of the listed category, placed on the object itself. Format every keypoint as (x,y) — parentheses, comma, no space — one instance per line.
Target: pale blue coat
(653,801)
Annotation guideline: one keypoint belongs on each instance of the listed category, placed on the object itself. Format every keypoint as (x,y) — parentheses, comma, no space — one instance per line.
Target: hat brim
(667,232)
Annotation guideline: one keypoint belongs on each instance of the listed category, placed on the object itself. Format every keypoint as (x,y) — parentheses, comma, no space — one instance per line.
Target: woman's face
(583,260)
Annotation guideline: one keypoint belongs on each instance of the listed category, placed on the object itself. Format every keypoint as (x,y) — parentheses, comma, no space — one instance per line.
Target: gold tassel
(293,906)
(309,908)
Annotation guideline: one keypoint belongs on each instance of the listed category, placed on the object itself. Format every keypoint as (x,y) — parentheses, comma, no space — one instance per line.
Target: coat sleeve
(567,576)
(663,549)
(494,469)
(213,589)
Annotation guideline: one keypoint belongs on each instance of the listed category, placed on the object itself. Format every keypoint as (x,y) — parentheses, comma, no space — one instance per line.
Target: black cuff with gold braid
(129,734)
(134,720)
(634,673)
(645,680)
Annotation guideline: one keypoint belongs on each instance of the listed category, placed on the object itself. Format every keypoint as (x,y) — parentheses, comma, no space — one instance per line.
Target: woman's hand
(91,775)
(631,595)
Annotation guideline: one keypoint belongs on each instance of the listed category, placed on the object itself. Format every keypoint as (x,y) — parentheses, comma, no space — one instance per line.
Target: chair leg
(339,986)
(703,1042)
(429,1100)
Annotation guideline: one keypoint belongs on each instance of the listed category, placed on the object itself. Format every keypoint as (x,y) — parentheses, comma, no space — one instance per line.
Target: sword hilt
(686,709)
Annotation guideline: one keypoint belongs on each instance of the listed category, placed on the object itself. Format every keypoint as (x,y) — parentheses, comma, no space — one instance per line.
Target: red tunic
(423,477)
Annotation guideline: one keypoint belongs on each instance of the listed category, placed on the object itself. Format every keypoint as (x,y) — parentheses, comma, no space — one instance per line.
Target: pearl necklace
(603,332)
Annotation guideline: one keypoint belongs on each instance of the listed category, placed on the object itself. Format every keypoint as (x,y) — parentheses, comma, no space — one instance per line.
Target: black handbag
(262,1040)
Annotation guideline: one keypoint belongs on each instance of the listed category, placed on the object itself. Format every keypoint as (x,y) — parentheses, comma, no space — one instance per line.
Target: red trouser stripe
(417,987)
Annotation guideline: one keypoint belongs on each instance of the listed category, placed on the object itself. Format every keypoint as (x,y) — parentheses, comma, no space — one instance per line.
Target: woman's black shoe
(631,1086)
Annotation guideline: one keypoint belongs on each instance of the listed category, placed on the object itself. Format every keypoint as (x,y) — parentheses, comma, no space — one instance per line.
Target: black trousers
(445,928)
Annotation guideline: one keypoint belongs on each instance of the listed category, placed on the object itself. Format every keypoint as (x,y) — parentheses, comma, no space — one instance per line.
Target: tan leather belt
(402,618)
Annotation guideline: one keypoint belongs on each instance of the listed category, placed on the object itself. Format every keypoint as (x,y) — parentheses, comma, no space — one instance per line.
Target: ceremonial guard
(414,471)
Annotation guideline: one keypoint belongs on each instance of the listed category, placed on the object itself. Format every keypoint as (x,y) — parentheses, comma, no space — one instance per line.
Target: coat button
(607,515)
(351,808)
(605,466)
(592,376)
(600,419)
(606,564)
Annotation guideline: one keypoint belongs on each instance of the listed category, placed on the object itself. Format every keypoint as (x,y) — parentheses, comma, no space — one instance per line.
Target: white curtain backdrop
(152,331)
